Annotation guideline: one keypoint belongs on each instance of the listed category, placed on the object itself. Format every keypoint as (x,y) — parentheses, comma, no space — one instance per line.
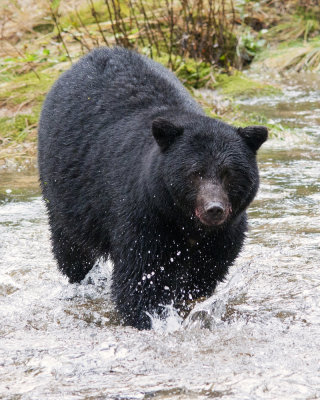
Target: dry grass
(191,36)
(303,56)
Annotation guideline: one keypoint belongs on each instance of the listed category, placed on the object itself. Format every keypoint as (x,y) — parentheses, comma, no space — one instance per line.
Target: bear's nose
(215,210)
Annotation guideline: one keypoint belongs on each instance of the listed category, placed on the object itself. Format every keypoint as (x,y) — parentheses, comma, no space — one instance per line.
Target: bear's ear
(165,132)
(254,136)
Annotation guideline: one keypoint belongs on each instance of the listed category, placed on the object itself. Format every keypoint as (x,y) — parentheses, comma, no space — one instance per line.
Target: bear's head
(208,167)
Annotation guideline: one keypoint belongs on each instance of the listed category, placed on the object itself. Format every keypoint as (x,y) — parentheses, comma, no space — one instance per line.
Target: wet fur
(111,191)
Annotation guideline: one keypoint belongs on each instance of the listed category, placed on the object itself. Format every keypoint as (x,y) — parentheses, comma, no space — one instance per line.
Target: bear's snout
(215,210)
(213,215)
(212,205)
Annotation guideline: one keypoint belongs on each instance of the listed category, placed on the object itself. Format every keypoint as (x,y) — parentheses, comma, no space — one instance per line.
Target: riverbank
(38,44)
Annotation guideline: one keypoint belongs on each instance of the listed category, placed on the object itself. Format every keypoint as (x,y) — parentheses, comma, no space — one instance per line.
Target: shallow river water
(257,337)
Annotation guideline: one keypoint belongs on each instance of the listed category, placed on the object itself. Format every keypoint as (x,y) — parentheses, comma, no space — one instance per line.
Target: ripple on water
(258,337)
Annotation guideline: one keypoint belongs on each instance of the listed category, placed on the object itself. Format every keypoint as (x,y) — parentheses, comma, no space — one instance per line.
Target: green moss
(194,74)
(240,86)
(21,97)
(27,89)
(19,128)
(12,67)
(4,125)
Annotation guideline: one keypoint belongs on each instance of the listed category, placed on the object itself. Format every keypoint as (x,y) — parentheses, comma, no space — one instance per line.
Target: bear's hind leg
(74,260)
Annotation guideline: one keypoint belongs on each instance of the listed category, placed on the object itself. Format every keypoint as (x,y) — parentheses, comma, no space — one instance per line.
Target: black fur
(124,152)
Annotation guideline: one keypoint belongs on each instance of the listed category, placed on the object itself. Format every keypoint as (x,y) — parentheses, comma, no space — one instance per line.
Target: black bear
(131,168)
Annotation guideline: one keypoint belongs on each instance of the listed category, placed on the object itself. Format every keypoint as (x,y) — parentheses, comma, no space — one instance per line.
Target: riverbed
(257,337)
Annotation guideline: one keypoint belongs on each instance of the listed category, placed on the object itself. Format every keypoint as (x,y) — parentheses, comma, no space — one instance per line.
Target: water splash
(257,337)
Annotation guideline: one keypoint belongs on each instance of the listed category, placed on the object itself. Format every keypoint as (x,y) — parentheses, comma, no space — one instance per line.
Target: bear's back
(112,83)
(138,82)
(106,89)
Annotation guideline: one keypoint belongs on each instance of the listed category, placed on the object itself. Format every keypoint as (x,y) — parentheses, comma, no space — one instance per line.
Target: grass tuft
(239,86)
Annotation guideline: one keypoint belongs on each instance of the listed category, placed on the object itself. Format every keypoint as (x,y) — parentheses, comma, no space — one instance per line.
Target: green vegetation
(205,42)
(194,74)
(83,15)
(220,107)
(19,127)
(294,42)
(27,89)
(21,97)
(239,86)
(295,56)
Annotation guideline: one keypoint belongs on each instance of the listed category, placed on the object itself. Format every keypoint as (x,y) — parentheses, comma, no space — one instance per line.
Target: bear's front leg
(139,284)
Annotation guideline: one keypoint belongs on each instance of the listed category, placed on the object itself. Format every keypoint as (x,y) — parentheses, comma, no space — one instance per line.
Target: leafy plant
(248,47)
